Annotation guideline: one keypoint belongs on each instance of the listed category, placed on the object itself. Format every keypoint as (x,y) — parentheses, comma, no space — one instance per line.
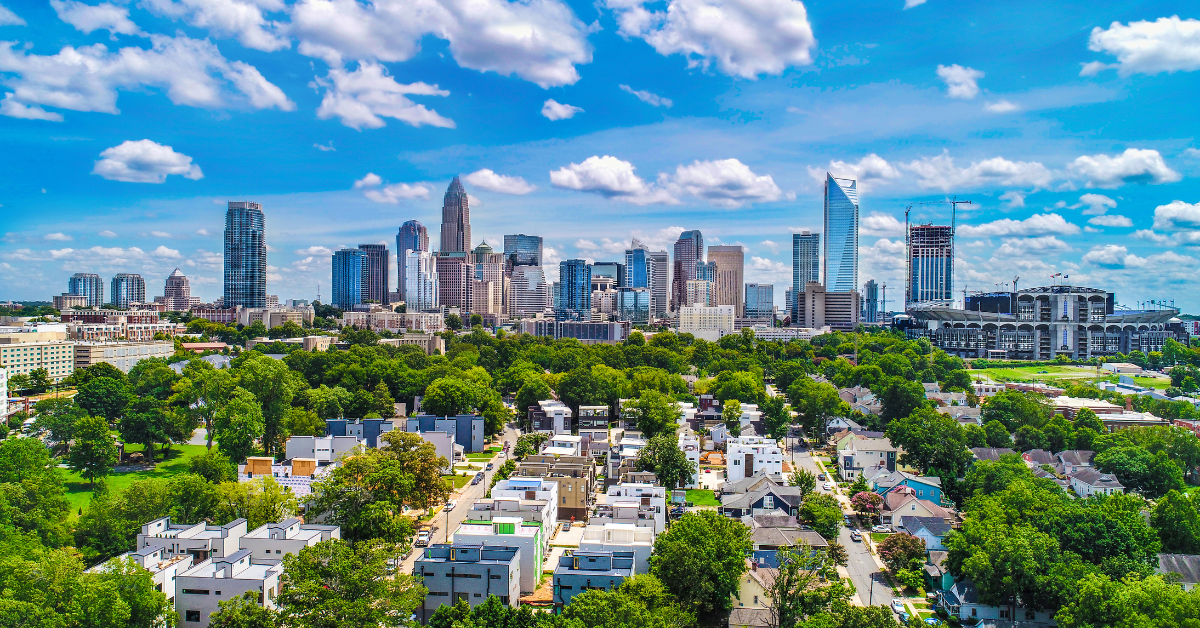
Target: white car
(897,606)
(450,505)
(827,486)
(882,528)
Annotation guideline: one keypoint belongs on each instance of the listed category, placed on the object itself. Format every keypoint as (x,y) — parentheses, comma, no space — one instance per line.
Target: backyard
(178,460)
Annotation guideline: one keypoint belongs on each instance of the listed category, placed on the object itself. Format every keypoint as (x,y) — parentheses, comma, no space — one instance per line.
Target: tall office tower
(245,255)
(88,285)
(870,312)
(637,266)
(454,275)
(930,264)
(706,271)
(699,292)
(789,301)
(660,283)
(529,291)
(806,263)
(522,250)
(421,281)
(634,305)
(689,249)
(128,288)
(727,280)
(612,270)
(351,274)
(456,220)
(574,291)
(412,237)
(840,267)
(489,284)
(760,300)
(177,293)
(378,281)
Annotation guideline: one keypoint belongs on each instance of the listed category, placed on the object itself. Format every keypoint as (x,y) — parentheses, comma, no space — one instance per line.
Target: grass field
(178,460)
(459,481)
(483,455)
(702,497)
(879,536)
(1025,373)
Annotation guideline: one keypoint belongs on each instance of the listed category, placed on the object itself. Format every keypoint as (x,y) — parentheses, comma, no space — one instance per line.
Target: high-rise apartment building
(648,269)
(351,272)
(727,289)
(529,291)
(870,313)
(574,290)
(806,263)
(817,308)
(689,249)
(660,283)
(421,281)
(456,220)
(127,288)
(699,292)
(245,255)
(789,301)
(177,293)
(454,275)
(930,263)
(760,300)
(412,236)
(840,267)
(489,284)
(522,250)
(612,270)
(706,271)
(634,305)
(378,265)
(89,286)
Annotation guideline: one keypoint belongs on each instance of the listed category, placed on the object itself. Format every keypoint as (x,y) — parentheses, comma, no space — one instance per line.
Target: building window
(191,616)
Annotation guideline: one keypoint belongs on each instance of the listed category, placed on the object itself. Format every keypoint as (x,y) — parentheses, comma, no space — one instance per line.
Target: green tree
(32,495)
(104,397)
(700,559)
(640,601)
(654,413)
(823,513)
(815,402)
(214,466)
(806,584)
(239,425)
(195,498)
(533,390)
(975,435)
(997,434)
(932,442)
(335,585)
(58,417)
(670,465)
(1098,600)
(776,418)
(148,607)
(1029,437)
(731,415)
(1178,523)
(899,398)
(902,551)
(244,611)
(39,381)
(453,322)
(329,403)
(94,452)
(274,386)
(1015,409)
(805,480)
(737,385)
(259,501)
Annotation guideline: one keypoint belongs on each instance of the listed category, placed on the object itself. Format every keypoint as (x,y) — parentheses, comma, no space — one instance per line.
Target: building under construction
(930,263)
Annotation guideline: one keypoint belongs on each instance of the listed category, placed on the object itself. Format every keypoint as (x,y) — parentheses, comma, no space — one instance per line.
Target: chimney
(1129,404)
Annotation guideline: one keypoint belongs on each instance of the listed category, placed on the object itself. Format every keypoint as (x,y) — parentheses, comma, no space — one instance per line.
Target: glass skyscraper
(689,249)
(870,312)
(706,271)
(806,262)
(638,270)
(612,270)
(245,255)
(350,277)
(89,285)
(456,219)
(522,250)
(412,237)
(128,288)
(930,264)
(840,268)
(574,290)
(420,284)
(760,300)
(377,273)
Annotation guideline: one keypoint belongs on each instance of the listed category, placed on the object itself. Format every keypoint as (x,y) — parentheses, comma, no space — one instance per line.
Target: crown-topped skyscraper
(456,219)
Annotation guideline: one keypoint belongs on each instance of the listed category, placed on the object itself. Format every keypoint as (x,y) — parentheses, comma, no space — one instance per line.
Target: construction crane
(953,203)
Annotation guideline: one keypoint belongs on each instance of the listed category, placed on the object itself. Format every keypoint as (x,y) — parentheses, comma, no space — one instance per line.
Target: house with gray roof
(932,530)
(1185,566)
(1088,481)
(1072,460)
(766,498)
(989,453)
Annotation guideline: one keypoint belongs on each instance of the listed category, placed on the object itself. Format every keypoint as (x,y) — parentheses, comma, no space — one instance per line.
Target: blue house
(932,530)
(584,570)
(367,430)
(466,428)
(926,487)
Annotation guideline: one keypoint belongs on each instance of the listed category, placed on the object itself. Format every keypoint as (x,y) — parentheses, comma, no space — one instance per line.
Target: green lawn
(879,536)
(1018,373)
(702,497)
(484,456)
(459,481)
(1151,382)
(178,460)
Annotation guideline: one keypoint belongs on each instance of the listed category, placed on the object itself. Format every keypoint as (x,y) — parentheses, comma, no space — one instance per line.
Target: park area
(1061,375)
(178,460)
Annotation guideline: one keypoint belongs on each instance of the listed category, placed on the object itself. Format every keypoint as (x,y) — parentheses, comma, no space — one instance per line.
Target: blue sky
(1071,127)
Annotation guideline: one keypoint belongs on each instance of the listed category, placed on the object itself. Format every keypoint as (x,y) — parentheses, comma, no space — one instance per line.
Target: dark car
(821,477)
(489,466)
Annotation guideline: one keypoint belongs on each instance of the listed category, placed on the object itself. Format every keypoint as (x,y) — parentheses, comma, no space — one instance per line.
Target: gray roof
(1092,477)
(990,453)
(1076,457)
(749,618)
(747,484)
(787,494)
(785,537)
(937,527)
(782,520)
(1186,565)
(1039,456)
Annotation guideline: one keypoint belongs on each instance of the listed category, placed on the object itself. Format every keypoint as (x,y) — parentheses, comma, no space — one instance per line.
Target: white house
(621,537)
(563,445)
(200,589)
(748,455)
(323,449)
(636,503)
(198,540)
(269,543)
(690,446)
(962,601)
(865,454)
(527,537)
(164,568)
(1088,481)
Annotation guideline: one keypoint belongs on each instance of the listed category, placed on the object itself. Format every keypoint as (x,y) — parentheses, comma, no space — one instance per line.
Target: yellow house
(754,584)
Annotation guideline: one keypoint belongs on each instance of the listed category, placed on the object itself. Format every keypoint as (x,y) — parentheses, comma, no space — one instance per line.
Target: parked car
(450,505)
(882,528)
(475,480)
(489,466)
(849,522)
(566,527)
(821,477)
(933,621)
(897,605)
(827,486)
(903,617)
(856,536)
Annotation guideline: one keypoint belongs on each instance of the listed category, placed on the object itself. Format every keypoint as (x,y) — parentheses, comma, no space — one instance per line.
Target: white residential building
(323,449)
(748,455)
(540,511)
(531,489)
(164,568)
(269,543)
(123,355)
(198,540)
(3,393)
(563,445)
(555,417)
(202,588)
(635,503)
(527,537)
(1088,481)
(621,537)
(708,322)
(22,358)
(690,445)
(865,454)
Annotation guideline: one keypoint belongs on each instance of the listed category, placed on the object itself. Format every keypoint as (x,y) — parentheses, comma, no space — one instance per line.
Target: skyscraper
(412,237)
(649,269)
(454,276)
(128,288)
(870,312)
(421,282)
(689,249)
(660,283)
(377,273)
(522,250)
(638,271)
(930,264)
(806,263)
(574,290)
(177,293)
(727,289)
(840,267)
(612,270)
(351,273)
(456,220)
(88,285)
(760,300)
(529,291)
(489,285)
(245,255)
(706,271)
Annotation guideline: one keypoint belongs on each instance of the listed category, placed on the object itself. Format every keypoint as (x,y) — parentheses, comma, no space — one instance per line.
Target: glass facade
(89,285)
(522,250)
(840,270)
(245,255)
(706,271)
(760,300)
(456,219)
(633,305)
(421,281)
(612,270)
(574,290)
(689,249)
(806,262)
(377,272)
(930,263)
(412,236)
(350,273)
(870,312)
(637,268)
(128,288)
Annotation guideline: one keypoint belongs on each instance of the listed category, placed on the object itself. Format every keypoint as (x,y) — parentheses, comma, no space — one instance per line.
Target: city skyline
(1076,158)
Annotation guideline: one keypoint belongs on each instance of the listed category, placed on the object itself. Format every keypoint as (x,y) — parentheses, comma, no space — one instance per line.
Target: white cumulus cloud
(87,18)
(555,110)
(1177,215)
(164,252)
(1022,247)
(107,234)
(57,237)
(1037,224)
(8,18)
(1167,44)
(360,97)
(1110,220)
(649,98)
(961,82)
(610,177)
(743,38)
(941,172)
(503,184)
(1132,166)
(1014,198)
(540,41)
(1002,106)
(144,161)
(881,224)
(868,170)
(908,4)
(191,72)
(1096,204)
(373,187)
(725,182)
(241,19)
(1109,255)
